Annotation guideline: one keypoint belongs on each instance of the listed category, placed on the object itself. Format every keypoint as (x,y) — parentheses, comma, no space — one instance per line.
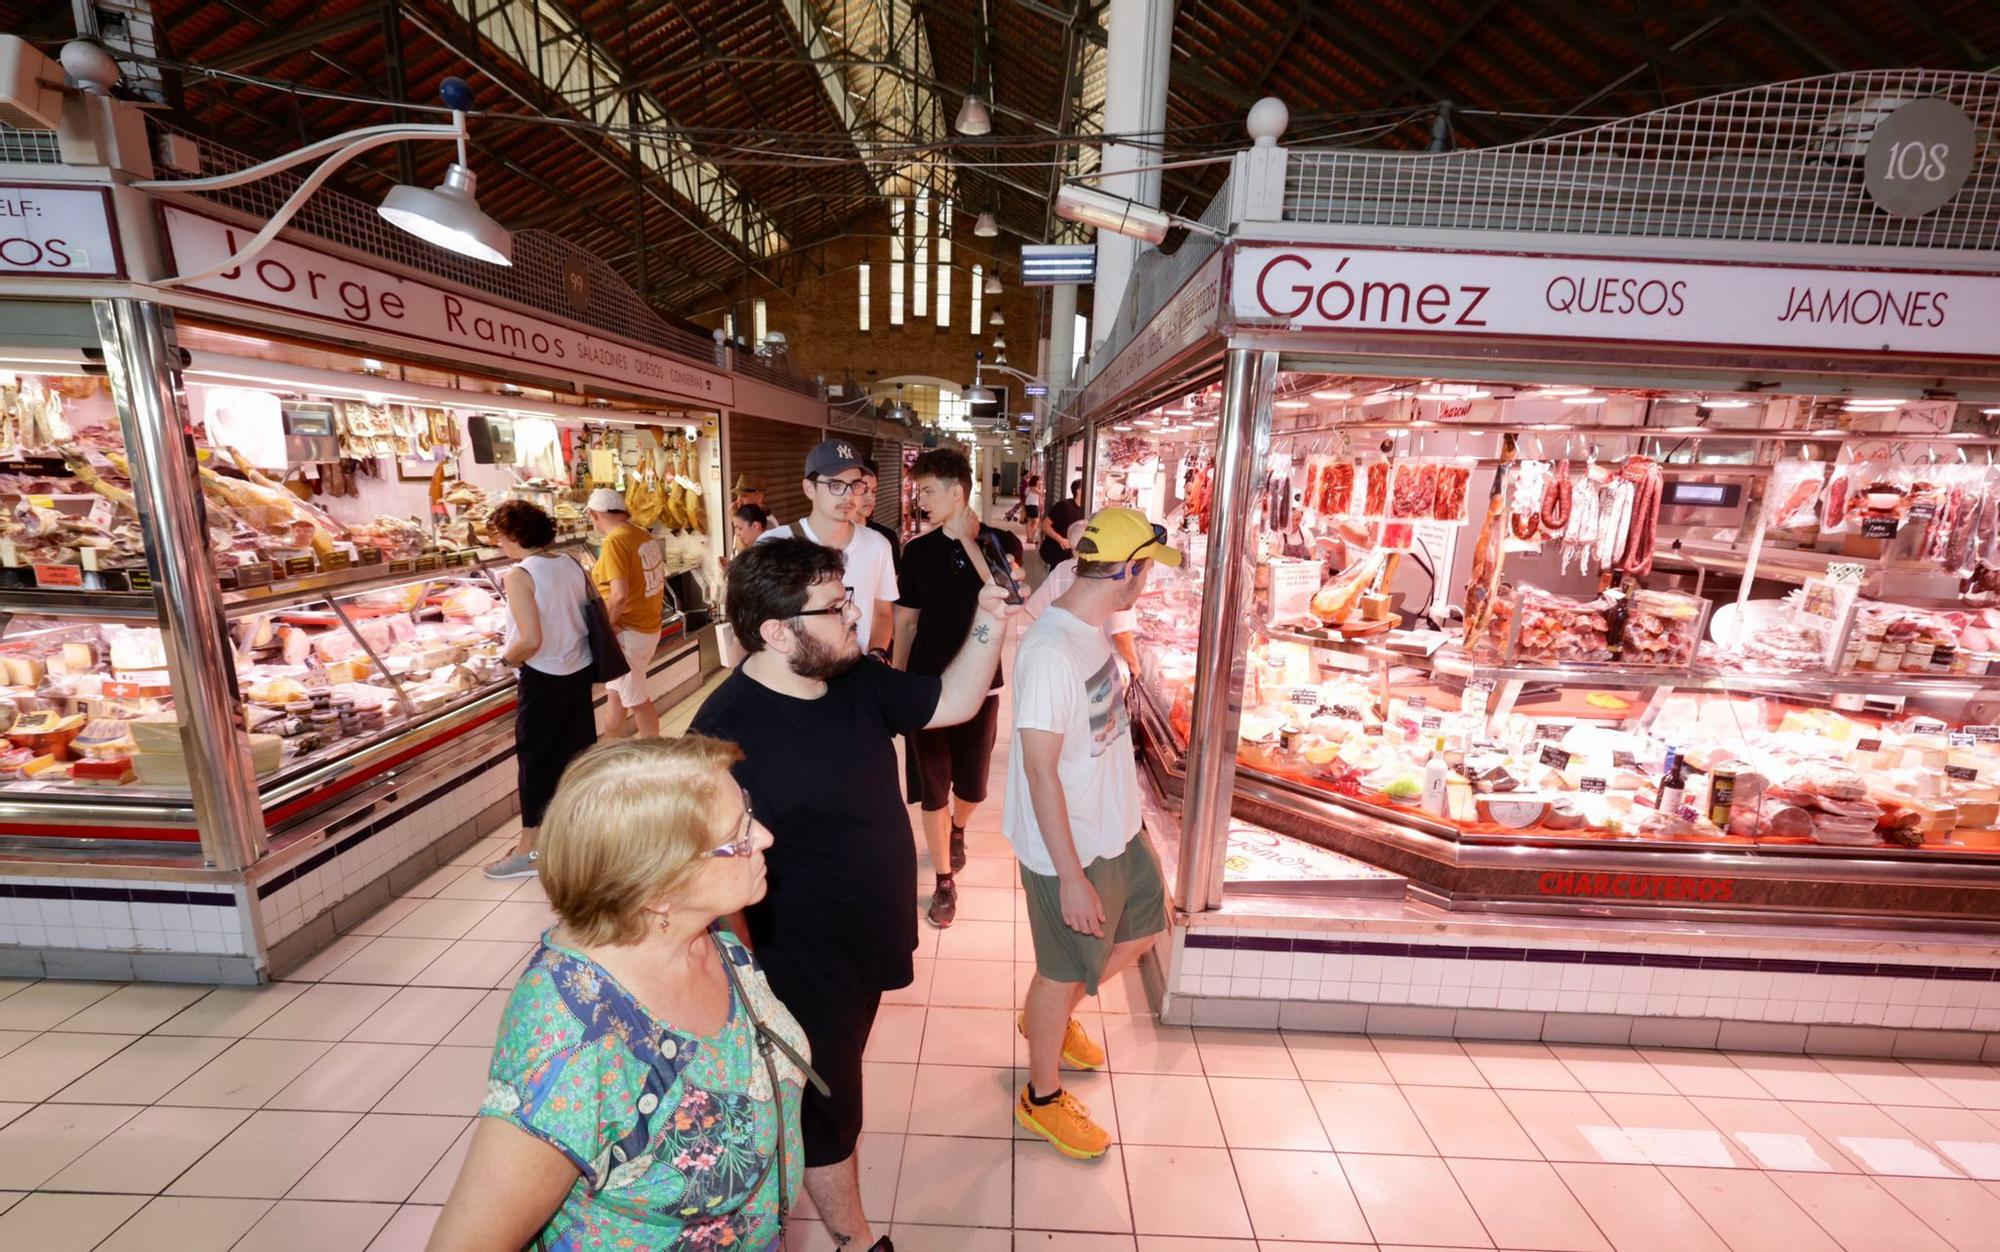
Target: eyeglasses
(840,487)
(745,842)
(838,608)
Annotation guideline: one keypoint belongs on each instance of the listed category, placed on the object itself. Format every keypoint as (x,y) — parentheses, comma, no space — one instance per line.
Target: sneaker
(944,903)
(1079,1050)
(1065,1123)
(519,865)
(957,848)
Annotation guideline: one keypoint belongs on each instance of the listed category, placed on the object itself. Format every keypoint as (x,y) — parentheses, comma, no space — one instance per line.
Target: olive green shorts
(1135,906)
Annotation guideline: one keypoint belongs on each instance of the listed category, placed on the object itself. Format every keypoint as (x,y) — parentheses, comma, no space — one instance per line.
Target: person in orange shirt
(631,575)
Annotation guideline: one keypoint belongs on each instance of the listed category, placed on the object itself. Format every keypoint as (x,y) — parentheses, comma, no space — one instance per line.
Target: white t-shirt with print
(870,574)
(1066,680)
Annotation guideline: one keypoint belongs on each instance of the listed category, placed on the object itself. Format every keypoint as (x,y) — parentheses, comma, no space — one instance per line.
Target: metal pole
(139,358)
(1243,442)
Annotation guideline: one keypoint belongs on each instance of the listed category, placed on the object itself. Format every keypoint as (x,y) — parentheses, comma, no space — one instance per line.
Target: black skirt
(553,723)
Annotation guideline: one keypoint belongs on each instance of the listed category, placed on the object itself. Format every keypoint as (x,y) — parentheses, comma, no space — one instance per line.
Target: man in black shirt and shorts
(816,724)
(944,571)
(1054,527)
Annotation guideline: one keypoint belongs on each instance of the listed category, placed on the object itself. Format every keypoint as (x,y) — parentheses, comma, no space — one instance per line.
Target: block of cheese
(23,671)
(263,753)
(1978,812)
(157,732)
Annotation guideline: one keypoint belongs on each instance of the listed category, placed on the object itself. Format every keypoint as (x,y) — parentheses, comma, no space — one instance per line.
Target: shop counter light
(1333,395)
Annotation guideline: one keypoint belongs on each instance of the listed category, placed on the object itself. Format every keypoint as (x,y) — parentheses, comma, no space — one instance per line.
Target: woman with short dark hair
(547,639)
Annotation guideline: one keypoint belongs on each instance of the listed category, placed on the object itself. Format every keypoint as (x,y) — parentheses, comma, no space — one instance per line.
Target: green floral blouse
(672,1134)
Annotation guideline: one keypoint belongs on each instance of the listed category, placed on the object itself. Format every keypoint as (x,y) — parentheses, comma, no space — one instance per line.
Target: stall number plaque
(1919,157)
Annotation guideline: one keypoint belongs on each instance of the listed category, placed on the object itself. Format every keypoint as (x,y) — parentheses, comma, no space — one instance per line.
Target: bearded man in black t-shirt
(816,724)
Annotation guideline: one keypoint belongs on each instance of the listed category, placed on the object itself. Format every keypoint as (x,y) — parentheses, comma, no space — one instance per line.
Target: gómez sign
(1600,298)
(301,281)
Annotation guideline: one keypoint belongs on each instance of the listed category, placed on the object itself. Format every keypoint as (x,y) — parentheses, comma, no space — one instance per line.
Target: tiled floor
(328,1113)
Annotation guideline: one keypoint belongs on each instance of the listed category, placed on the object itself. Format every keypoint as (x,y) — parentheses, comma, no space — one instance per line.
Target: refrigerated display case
(1607,587)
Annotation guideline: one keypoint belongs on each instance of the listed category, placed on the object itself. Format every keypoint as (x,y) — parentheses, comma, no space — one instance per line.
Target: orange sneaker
(1079,1050)
(1065,1123)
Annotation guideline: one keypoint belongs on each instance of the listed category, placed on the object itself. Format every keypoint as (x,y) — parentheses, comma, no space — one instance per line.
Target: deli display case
(1589,600)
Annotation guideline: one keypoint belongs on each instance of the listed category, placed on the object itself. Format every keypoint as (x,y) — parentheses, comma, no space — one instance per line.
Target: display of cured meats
(1337,600)
(1414,493)
(1556,501)
(1375,491)
(1336,489)
(1450,503)
(1562,631)
(1792,495)
(1642,533)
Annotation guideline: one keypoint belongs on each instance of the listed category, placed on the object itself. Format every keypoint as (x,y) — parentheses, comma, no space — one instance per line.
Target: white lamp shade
(998,319)
(980,395)
(999,343)
(993,287)
(974,118)
(447,215)
(988,226)
(1112,213)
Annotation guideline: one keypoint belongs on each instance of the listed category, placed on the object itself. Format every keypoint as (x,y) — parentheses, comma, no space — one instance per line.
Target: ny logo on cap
(845,452)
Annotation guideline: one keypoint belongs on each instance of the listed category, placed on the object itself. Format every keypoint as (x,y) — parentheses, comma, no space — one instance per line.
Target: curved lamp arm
(344,148)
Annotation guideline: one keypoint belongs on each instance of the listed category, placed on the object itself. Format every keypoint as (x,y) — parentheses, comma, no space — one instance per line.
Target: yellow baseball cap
(1121,534)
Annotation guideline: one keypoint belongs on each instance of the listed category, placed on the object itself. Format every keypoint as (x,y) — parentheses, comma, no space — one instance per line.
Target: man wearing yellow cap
(1095,898)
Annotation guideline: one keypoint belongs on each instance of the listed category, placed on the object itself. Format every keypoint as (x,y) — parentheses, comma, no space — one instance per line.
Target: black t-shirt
(1063,514)
(895,545)
(939,580)
(837,919)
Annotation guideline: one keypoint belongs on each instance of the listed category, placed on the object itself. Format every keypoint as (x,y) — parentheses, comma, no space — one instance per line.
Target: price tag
(142,580)
(1480,746)
(1923,512)
(407,565)
(1960,739)
(1592,786)
(1304,697)
(369,555)
(1433,721)
(1417,704)
(1554,757)
(41,502)
(1479,684)
(1868,745)
(1549,732)
(429,562)
(98,459)
(1961,773)
(68,576)
(253,574)
(1621,759)
(1984,734)
(332,561)
(299,566)
(1926,726)
(103,513)
(1879,527)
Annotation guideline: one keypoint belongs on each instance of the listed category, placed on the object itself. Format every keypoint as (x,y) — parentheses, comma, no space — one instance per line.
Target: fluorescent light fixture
(1680,399)
(1333,395)
(1585,399)
(1989,412)
(1380,397)
(1290,404)
(449,216)
(974,118)
(1726,403)
(1122,426)
(1048,264)
(1113,213)
(988,226)
(1545,392)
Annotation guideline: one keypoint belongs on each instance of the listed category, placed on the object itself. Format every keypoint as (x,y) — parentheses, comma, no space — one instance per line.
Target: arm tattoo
(982,632)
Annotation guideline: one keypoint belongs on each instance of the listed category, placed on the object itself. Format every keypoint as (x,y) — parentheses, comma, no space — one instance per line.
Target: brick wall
(818,313)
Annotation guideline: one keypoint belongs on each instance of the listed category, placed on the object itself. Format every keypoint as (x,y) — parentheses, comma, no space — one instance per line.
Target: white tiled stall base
(1655,990)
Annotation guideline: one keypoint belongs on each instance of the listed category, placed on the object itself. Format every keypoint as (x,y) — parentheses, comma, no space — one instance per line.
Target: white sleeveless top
(560,589)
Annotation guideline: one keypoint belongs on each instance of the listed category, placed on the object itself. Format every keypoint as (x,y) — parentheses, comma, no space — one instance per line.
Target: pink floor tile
(1525,1204)
(1606,1069)
(1413,1199)
(1522,1066)
(1749,1211)
(1884,1081)
(1876,1141)
(1173,1110)
(1638,1209)
(1860,1214)
(1961,1136)
(1965,1213)
(1795,1078)
(1369,1117)
(1429,1063)
(1267,1113)
(1336,1058)
(1471,1122)
(1703,1074)
(1974,1086)
(1299,1195)
(1077,1195)
(1669,1130)
(1771,1136)
(1562,1124)
(1244,1053)
(1185,1191)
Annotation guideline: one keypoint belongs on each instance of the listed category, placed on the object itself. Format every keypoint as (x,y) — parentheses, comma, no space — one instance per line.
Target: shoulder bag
(607,656)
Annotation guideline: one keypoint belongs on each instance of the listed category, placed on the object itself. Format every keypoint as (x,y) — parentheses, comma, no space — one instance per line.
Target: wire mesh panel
(1780,163)
(544,275)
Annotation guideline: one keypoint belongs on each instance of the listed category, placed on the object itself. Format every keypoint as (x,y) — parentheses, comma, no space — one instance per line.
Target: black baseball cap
(832,456)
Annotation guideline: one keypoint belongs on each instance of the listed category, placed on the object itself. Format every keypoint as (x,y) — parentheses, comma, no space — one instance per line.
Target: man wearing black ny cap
(835,479)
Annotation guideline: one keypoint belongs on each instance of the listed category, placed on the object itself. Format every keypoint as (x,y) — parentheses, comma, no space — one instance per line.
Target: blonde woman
(644,1092)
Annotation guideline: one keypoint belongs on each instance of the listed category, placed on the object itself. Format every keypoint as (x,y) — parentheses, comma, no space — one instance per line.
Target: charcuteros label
(1313,287)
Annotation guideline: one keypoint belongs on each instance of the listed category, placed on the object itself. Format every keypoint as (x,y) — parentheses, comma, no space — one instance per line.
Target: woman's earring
(662,919)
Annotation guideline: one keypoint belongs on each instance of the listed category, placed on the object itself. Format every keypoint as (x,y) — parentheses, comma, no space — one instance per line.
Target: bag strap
(766,1038)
